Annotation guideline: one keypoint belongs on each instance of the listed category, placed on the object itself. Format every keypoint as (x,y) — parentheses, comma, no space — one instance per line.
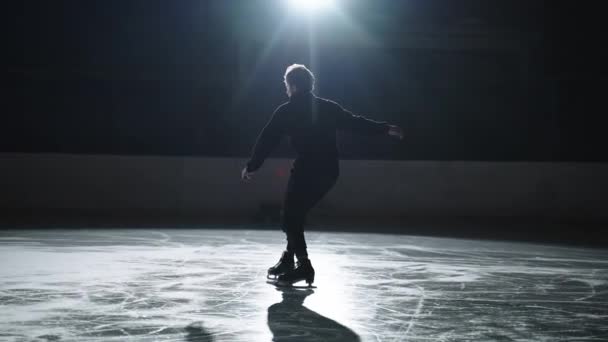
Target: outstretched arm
(268,139)
(361,124)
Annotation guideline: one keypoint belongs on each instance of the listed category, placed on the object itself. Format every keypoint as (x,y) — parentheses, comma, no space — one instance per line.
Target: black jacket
(311,123)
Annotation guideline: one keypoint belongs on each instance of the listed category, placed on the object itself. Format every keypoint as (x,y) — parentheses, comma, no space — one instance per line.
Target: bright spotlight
(311,5)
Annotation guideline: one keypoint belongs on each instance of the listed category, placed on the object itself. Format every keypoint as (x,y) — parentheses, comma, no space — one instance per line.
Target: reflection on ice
(289,320)
(210,285)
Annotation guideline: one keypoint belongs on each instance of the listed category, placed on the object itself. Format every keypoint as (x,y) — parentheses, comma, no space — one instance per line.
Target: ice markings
(208,285)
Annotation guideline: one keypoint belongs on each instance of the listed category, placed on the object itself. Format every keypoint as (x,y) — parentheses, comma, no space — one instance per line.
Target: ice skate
(284,265)
(303,271)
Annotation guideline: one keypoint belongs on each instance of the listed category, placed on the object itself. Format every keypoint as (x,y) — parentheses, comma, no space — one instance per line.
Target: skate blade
(283,284)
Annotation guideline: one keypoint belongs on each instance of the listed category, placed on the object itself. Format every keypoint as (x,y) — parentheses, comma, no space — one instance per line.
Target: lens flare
(310,5)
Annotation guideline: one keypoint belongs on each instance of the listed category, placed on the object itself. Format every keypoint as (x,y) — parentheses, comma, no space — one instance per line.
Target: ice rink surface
(209,285)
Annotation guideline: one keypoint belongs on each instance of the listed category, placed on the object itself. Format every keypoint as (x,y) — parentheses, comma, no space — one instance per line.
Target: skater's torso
(310,125)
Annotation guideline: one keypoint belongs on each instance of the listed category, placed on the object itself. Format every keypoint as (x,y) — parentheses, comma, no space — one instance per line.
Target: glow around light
(311,5)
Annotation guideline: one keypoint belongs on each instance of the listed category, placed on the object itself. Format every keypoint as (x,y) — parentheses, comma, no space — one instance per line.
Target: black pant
(306,187)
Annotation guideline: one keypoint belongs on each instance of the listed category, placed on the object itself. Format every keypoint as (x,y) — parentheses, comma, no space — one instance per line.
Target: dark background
(499,80)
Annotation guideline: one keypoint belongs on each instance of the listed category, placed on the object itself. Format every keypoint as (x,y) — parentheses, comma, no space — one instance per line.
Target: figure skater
(310,123)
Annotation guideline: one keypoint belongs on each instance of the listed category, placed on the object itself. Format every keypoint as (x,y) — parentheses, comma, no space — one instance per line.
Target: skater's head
(298,79)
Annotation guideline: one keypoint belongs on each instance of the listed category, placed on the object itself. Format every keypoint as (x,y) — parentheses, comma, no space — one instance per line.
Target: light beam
(311,5)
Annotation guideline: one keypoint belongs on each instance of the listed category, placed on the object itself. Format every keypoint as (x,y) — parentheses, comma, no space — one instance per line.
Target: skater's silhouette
(289,320)
(197,333)
(311,123)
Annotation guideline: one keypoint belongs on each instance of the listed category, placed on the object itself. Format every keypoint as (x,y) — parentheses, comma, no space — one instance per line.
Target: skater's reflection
(289,320)
(197,333)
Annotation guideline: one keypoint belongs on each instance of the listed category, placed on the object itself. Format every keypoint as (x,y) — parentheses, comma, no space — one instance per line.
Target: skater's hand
(246,176)
(395,131)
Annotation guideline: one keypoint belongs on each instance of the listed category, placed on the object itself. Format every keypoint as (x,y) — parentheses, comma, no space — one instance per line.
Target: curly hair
(300,76)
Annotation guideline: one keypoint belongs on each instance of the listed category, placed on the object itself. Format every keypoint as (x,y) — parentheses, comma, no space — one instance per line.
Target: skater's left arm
(268,139)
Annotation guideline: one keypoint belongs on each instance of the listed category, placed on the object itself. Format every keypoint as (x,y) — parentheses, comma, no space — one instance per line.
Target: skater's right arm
(361,124)
(358,123)
(268,139)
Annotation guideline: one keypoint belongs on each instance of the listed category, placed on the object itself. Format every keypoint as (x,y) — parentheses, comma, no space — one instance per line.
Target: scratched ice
(209,285)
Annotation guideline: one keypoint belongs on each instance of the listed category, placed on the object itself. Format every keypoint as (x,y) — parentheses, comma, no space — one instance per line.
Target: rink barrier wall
(211,187)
